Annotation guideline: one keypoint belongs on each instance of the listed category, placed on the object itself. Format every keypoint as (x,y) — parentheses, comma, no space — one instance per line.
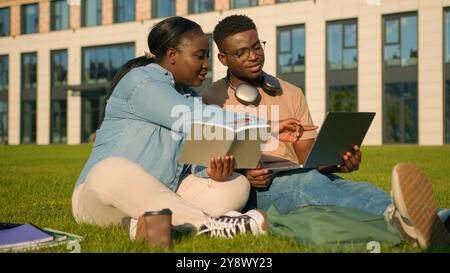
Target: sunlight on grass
(36,184)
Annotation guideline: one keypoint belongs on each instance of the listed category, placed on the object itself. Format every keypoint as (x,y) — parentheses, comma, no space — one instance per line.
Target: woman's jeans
(297,188)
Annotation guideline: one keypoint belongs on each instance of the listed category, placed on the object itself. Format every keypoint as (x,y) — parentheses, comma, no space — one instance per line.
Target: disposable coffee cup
(158,226)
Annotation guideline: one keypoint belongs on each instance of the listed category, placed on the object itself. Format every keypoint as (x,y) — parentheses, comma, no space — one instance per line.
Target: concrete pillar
(43,98)
(14,99)
(431,85)
(74,98)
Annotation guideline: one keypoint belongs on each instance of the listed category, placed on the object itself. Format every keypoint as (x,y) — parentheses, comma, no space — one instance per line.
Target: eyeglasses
(244,53)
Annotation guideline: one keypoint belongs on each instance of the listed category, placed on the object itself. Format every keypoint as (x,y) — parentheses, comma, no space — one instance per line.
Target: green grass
(36,184)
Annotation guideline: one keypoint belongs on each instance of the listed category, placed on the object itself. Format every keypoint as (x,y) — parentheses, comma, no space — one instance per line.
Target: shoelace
(224,226)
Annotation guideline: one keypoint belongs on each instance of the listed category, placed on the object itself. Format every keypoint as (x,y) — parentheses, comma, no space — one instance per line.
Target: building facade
(391,57)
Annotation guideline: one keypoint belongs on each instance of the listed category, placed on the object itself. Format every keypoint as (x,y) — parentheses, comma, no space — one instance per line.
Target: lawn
(36,183)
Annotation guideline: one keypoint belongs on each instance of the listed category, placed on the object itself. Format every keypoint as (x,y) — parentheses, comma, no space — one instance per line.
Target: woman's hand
(221,169)
(290,130)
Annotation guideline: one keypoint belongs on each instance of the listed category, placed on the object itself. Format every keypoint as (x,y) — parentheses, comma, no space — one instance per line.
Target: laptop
(338,134)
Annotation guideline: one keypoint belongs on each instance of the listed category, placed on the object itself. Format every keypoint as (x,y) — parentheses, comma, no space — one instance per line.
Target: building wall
(268,16)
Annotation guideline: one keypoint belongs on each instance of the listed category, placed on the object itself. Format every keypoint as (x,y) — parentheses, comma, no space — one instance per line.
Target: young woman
(133,166)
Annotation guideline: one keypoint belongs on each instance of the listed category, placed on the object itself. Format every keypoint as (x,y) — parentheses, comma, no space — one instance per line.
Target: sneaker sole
(416,202)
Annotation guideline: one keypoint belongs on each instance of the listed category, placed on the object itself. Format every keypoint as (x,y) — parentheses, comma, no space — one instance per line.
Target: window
(400,41)
(58,118)
(28,98)
(447,75)
(235,4)
(3,73)
(91,13)
(163,8)
(5,27)
(291,54)
(124,11)
(400,76)
(59,15)
(100,64)
(342,60)
(199,6)
(30,18)
(4,67)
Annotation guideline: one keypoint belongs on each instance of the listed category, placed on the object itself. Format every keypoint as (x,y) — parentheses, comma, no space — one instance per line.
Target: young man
(242,52)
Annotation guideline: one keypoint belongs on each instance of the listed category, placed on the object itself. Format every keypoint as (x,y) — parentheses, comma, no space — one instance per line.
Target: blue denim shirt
(138,125)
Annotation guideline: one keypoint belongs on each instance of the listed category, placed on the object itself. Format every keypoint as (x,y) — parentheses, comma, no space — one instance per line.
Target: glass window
(58,118)
(342,62)
(163,8)
(59,68)
(400,79)
(199,6)
(291,54)
(3,122)
(235,4)
(291,57)
(400,41)
(59,15)
(28,98)
(350,35)
(335,46)
(28,122)
(4,99)
(341,44)
(409,40)
(401,113)
(4,68)
(91,13)
(5,27)
(447,36)
(124,11)
(101,63)
(59,121)
(447,75)
(29,71)
(392,31)
(99,66)
(342,98)
(447,106)
(30,18)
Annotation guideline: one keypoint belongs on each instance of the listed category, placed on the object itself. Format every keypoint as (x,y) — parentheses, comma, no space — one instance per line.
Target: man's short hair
(231,25)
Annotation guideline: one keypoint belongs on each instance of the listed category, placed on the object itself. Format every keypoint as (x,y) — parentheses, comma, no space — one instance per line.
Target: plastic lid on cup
(158,212)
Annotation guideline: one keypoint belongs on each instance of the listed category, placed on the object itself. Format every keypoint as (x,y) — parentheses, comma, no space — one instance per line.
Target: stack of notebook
(24,237)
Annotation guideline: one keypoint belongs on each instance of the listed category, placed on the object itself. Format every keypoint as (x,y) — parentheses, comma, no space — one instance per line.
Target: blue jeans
(297,188)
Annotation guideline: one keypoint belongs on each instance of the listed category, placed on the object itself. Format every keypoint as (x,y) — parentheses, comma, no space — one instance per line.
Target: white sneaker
(413,211)
(233,223)
(130,225)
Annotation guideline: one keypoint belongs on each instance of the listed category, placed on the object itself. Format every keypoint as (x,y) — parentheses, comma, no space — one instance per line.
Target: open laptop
(339,133)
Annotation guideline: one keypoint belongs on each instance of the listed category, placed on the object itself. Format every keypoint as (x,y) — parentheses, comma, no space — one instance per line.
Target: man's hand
(290,130)
(259,178)
(221,169)
(351,161)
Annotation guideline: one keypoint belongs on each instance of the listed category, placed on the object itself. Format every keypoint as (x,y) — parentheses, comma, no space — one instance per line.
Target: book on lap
(242,137)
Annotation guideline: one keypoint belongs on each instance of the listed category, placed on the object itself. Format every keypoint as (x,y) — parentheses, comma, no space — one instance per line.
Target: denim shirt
(138,126)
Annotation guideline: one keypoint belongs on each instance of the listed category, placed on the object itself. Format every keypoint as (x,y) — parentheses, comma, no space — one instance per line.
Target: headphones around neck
(248,94)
